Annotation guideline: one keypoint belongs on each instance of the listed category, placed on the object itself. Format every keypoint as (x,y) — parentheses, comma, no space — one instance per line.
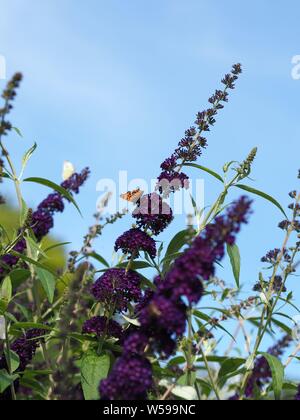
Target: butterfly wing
(68,170)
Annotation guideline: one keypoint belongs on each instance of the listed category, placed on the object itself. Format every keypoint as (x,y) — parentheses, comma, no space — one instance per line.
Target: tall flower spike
(8,95)
(190,147)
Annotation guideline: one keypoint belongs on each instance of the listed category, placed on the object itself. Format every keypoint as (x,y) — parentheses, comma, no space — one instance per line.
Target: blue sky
(113,85)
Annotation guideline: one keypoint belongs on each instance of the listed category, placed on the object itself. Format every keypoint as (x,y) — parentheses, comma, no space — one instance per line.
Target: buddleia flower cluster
(163,318)
(42,220)
(25,348)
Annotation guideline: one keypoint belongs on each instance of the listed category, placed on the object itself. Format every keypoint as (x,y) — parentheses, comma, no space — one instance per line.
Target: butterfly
(68,170)
(132,196)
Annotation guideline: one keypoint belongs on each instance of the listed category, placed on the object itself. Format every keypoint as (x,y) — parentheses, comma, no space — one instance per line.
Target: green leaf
(209,171)
(184,392)
(50,248)
(98,258)
(14,360)
(26,158)
(229,366)
(31,261)
(178,241)
(6,289)
(136,265)
(277,370)
(261,194)
(235,260)
(6,380)
(132,321)
(185,379)
(18,131)
(55,187)
(94,368)
(18,276)
(30,325)
(48,282)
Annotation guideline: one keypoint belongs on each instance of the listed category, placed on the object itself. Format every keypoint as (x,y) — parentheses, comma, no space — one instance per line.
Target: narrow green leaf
(30,325)
(50,248)
(26,158)
(48,282)
(209,171)
(178,241)
(136,265)
(31,261)
(132,321)
(18,131)
(261,194)
(55,187)
(6,289)
(99,258)
(277,370)
(94,368)
(235,260)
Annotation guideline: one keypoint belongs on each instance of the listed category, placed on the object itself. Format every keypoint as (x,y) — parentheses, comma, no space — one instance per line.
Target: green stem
(190,348)
(210,375)
(264,326)
(8,358)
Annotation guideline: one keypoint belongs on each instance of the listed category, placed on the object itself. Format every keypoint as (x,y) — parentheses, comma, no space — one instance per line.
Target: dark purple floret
(162,313)
(153,213)
(169,164)
(53,203)
(272,256)
(135,344)
(26,346)
(117,288)
(101,325)
(134,241)
(277,285)
(163,322)
(42,223)
(170,182)
(130,379)
(73,183)
(190,147)
(145,300)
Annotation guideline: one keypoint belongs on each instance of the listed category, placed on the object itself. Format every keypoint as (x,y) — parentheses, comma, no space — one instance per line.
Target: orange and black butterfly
(133,196)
